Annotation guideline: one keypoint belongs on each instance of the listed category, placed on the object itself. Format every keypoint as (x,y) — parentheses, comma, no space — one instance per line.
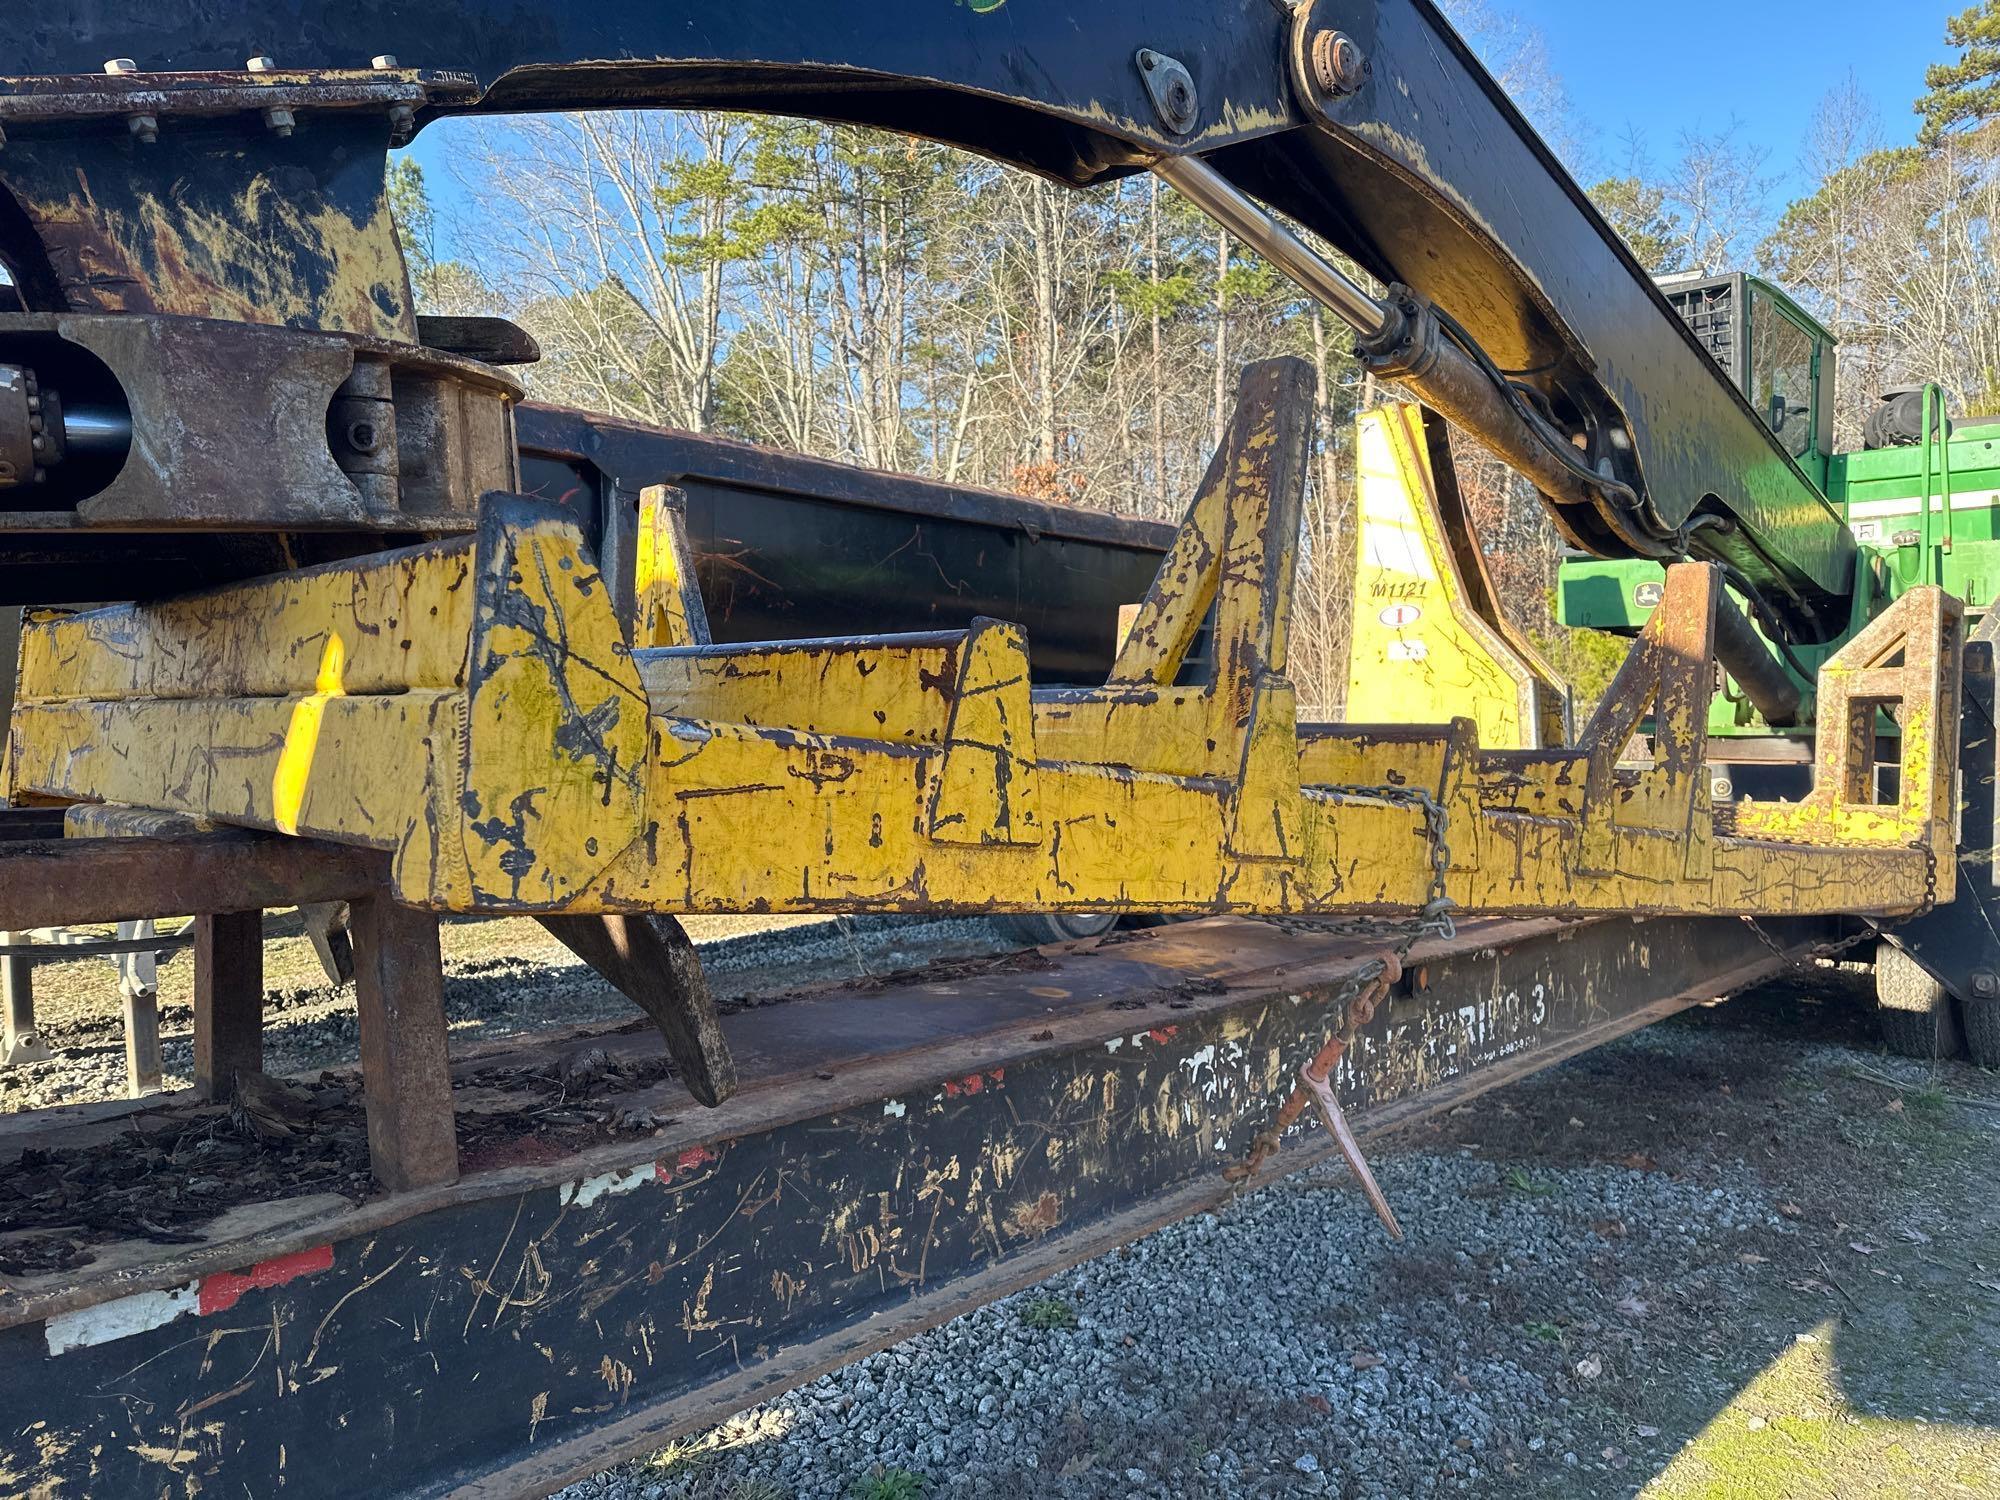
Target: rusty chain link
(1363,991)
(1870,927)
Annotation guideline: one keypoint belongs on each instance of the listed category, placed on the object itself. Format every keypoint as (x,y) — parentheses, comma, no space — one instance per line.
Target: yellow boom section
(475,707)
(1421,649)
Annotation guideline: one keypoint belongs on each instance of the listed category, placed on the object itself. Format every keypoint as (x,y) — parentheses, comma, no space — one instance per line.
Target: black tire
(1918,1016)
(1981,1018)
(1037,928)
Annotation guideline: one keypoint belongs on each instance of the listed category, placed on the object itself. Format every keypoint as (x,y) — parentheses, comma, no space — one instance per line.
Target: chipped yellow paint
(663,581)
(852,689)
(985,792)
(483,716)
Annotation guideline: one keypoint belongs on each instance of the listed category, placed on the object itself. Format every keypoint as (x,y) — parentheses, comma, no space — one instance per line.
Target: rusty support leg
(326,929)
(405,1073)
(228,1000)
(144,1072)
(654,965)
(19,1041)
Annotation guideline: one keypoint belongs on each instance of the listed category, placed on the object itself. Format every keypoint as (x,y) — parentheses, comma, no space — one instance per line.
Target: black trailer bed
(897,1155)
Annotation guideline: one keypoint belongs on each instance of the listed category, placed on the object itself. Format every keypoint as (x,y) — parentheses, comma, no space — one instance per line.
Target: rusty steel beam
(885,1166)
(651,962)
(228,1000)
(405,1068)
(52,882)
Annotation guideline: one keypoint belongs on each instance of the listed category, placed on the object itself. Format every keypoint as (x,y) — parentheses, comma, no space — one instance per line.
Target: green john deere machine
(1921,500)
(1891,495)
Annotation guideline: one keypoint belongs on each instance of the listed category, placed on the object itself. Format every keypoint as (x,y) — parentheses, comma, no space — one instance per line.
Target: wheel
(1979,1016)
(1036,928)
(1918,1016)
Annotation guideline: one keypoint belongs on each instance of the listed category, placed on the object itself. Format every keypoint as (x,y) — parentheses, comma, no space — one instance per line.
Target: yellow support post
(1421,648)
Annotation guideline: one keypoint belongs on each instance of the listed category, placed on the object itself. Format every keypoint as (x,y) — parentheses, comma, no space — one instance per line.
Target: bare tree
(1720,194)
(608,232)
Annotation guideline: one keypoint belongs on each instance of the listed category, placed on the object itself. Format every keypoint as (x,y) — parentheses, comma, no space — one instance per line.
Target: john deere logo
(1400,616)
(1649,595)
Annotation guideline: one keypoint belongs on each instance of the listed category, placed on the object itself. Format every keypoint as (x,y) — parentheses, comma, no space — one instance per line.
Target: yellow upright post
(1420,650)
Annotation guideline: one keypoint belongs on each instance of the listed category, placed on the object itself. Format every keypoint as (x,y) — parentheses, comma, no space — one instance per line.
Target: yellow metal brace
(1428,641)
(474,706)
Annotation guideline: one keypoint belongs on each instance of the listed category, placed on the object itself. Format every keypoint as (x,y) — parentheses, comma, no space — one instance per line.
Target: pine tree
(1966,92)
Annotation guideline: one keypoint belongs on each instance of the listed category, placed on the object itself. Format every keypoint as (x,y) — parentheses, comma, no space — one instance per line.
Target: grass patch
(1547,1333)
(1518,1181)
(889,1484)
(1792,1431)
(1045,1313)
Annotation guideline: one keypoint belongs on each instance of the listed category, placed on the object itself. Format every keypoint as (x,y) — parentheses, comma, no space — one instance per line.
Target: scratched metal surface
(788,546)
(532,1322)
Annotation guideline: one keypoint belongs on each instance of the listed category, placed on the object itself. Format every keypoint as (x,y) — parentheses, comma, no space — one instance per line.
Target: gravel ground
(1691,1264)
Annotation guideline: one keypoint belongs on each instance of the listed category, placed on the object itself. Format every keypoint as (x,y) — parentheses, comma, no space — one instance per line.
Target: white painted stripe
(606,1185)
(121,1319)
(1868,510)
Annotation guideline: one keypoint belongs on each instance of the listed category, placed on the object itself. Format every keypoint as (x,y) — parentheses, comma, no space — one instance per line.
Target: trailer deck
(896,1155)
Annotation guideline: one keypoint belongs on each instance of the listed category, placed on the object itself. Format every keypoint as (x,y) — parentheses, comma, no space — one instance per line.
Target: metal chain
(1434,918)
(1356,1000)
(1368,984)
(1871,928)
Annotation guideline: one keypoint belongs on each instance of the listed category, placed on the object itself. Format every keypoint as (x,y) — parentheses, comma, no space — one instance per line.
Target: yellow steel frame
(474,706)
(1420,649)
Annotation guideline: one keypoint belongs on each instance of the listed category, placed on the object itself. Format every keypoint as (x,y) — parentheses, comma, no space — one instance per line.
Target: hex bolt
(145,127)
(1339,65)
(402,118)
(1985,983)
(1171,88)
(277,118)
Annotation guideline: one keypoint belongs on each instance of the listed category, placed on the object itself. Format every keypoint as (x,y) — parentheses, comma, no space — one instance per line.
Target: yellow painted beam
(518,755)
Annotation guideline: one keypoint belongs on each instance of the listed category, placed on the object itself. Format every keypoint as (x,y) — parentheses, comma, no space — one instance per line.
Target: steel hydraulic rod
(1396,340)
(1257,227)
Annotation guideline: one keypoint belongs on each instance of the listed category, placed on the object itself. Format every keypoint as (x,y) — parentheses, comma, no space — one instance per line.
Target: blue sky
(1668,68)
